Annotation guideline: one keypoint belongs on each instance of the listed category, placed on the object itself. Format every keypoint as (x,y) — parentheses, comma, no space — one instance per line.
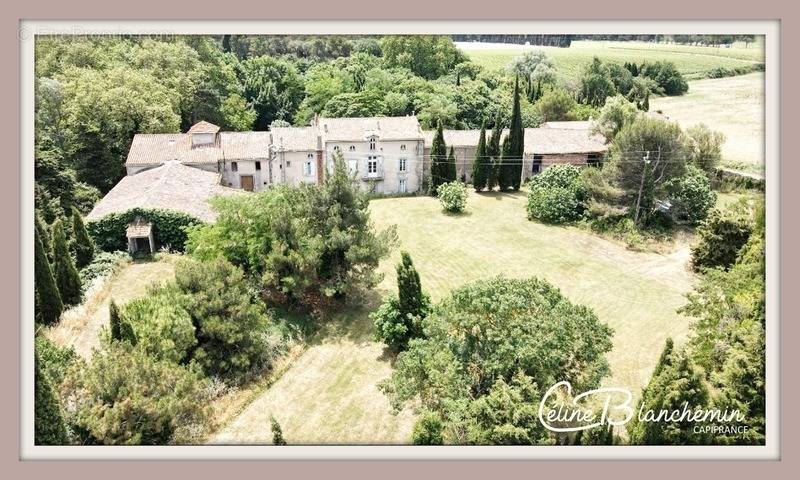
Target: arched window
(402,147)
(352,148)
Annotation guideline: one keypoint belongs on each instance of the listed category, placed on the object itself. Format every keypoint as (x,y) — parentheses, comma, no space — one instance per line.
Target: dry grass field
(733,106)
(693,61)
(80,326)
(330,394)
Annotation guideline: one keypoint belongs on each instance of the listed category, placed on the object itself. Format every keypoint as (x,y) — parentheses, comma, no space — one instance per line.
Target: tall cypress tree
(675,382)
(48,424)
(44,236)
(480,164)
(438,159)
(516,141)
(84,246)
(277,432)
(48,299)
(503,165)
(452,172)
(67,279)
(493,150)
(114,321)
(411,300)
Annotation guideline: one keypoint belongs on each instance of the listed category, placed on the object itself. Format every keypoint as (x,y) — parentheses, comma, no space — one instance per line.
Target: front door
(247,182)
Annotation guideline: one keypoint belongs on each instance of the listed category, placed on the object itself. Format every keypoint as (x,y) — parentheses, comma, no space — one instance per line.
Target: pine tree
(438,159)
(44,236)
(481,163)
(452,172)
(49,426)
(67,279)
(48,300)
(84,246)
(277,433)
(114,321)
(516,140)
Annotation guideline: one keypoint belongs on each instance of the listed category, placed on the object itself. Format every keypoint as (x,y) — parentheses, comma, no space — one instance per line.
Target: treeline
(543,40)
(704,40)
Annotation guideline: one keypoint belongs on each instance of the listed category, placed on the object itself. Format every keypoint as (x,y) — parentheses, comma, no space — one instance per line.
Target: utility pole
(645,162)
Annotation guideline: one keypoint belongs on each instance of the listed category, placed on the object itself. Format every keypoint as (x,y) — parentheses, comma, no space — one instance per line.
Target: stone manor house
(387,155)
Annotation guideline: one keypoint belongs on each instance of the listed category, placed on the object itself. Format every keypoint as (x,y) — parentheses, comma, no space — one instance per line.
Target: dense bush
(692,196)
(236,338)
(704,147)
(452,196)
(103,264)
(49,425)
(159,325)
(428,429)
(483,351)
(556,195)
(308,243)
(169,226)
(55,360)
(667,76)
(721,236)
(126,397)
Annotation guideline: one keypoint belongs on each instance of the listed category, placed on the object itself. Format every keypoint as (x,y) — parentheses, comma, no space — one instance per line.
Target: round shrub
(557,195)
(453,196)
(169,227)
(721,236)
(159,325)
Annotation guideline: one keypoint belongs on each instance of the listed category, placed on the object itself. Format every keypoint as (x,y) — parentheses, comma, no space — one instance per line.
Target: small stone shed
(171,186)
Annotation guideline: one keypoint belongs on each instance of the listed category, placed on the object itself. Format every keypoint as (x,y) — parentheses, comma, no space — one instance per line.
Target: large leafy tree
(274,87)
(429,56)
(102,112)
(647,155)
(596,84)
(482,352)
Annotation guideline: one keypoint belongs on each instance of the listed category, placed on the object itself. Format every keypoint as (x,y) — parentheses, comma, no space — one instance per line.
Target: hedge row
(169,231)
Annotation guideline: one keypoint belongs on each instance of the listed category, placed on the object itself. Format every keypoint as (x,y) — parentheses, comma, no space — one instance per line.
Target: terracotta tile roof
(203,127)
(558,140)
(359,128)
(245,145)
(172,186)
(459,138)
(157,148)
(294,138)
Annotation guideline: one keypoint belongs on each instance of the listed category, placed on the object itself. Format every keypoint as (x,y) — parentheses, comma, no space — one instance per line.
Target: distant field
(693,62)
(732,105)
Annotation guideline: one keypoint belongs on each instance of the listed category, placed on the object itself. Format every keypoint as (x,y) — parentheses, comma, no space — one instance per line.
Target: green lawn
(330,394)
(692,61)
(734,106)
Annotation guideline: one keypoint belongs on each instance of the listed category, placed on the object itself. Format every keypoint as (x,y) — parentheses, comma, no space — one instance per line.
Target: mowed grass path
(330,394)
(80,327)
(733,106)
(691,61)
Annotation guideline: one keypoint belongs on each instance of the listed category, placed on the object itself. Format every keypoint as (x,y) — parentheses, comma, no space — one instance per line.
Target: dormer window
(373,142)
(203,134)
